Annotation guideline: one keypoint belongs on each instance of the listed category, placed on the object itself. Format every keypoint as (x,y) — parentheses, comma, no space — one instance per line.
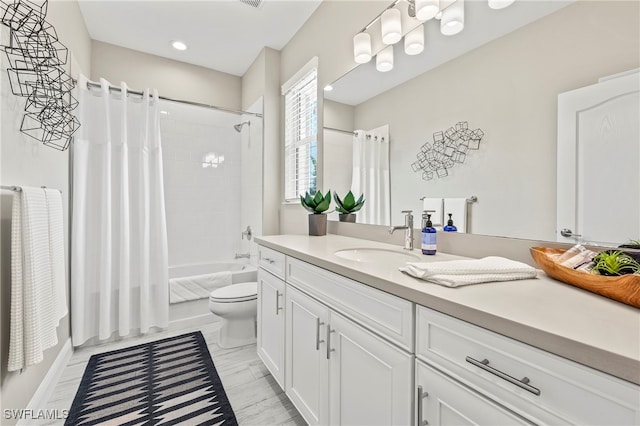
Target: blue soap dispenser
(450,226)
(428,235)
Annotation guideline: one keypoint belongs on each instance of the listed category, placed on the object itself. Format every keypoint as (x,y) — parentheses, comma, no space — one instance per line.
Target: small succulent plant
(349,204)
(615,262)
(317,204)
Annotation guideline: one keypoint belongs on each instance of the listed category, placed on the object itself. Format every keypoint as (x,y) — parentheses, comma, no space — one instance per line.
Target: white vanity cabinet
(307,368)
(270,339)
(348,353)
(338,370)
(537,385)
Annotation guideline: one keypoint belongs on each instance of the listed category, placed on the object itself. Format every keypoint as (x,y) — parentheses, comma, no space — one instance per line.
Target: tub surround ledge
(561,319)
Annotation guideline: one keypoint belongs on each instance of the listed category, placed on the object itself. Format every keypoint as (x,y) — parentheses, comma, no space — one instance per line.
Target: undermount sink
(376,255)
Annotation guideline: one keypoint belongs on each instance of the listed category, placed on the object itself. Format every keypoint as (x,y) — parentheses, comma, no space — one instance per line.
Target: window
(301,131)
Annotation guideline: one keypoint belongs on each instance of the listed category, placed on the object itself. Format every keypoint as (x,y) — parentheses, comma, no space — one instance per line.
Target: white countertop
(545,313)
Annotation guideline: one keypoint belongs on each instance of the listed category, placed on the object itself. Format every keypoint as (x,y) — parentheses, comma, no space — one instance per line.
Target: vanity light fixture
(178,45)
(452,21)
(391,24)
(384,59)
(499,4)
(449,12)
(427,9)
(362,48)
(414,41)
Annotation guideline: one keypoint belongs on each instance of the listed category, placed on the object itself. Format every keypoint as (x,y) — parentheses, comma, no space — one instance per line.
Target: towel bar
(18,188)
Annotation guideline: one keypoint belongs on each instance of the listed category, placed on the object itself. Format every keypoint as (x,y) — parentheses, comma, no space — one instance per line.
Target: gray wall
(173,79)
(25,162)
(262,79)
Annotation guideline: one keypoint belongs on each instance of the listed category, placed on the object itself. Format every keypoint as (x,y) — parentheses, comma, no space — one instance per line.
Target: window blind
(301,130)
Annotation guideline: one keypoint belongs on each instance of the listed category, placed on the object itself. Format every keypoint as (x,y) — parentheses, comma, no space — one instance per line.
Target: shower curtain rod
(164,98)
(339,130)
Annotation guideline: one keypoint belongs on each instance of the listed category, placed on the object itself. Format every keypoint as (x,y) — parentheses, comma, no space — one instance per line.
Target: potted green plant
(347,207)
(614,263)
(316,206)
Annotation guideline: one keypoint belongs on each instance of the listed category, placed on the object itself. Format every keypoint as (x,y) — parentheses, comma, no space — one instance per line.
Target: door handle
(421,395)
(329,350)
(278,307)
(318,341)
(566,232)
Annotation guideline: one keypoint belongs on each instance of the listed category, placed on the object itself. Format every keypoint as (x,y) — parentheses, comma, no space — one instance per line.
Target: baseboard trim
(44,392)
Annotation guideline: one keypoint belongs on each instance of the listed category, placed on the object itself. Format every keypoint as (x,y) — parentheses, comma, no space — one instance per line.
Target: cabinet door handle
(318,341)
(329,350)
(278,307)
(523,383)
(421,395)
(267,259)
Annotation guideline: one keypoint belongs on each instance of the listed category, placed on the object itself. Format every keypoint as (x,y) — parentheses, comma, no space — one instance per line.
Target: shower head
(239,126)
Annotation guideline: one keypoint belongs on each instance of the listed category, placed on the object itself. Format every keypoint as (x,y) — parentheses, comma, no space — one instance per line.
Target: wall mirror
(502,78)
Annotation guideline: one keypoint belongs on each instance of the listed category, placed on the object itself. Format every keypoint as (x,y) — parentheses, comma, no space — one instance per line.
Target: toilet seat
(240,292)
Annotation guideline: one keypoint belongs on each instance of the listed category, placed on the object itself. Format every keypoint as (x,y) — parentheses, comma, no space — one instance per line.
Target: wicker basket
(625,288)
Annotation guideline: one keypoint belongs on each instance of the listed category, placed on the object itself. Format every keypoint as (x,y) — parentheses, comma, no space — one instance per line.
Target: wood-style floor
(255,396)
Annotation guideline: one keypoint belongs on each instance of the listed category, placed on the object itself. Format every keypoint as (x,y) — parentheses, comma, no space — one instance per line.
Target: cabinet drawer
(557,391)
(272,261)
(443,401)
(385,314)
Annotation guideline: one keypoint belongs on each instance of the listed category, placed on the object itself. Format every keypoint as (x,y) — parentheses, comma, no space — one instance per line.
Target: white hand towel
(435,206)
(456,273)
(32,316)
(458,209)
(56,250)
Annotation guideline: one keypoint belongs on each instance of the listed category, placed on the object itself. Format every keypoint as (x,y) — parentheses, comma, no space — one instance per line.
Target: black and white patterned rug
(167,382)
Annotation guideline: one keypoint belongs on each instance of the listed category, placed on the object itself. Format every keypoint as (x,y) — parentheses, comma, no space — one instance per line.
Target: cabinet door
(306,372)
(271,324)
(443,401)
(370,380)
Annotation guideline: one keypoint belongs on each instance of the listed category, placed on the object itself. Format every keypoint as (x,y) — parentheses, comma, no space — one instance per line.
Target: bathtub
(186,311)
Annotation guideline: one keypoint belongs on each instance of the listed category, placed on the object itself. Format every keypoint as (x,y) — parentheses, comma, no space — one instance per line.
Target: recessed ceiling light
(178,45)
(328,88)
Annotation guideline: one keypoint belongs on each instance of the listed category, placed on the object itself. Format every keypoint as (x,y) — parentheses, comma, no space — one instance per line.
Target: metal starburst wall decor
(36,60)
(448,149)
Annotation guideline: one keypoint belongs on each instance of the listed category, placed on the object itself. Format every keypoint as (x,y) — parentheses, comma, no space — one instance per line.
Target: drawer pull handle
(268,259)
(524,383)
(318,341)
(421,395)
(278,307)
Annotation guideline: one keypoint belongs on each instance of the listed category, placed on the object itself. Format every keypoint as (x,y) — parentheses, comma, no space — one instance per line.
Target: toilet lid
(236,292)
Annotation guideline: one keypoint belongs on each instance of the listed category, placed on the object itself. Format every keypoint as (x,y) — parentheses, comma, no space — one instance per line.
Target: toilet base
(237,332)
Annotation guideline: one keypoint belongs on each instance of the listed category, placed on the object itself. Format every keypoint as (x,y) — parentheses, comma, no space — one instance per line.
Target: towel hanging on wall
(33,315)
(458,209)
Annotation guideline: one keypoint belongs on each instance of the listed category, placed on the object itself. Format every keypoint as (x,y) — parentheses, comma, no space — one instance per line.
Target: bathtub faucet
(243,256)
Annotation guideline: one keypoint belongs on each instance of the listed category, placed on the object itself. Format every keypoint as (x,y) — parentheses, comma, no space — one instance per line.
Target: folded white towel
(456,273)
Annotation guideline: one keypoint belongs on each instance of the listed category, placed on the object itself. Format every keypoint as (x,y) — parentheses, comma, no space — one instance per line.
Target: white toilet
(237,305)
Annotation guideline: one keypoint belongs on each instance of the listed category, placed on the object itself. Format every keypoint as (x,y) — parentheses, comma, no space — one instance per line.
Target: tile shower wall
(202,180)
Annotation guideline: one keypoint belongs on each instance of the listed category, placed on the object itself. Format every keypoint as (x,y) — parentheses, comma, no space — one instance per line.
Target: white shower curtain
(119,275)
(371,175)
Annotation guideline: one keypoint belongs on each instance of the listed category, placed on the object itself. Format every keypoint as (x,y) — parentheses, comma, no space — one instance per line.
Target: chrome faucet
(243,256)
(408,229)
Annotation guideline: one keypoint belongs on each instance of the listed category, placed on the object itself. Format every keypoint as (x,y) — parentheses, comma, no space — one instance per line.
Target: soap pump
(450,226)
(428,235)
